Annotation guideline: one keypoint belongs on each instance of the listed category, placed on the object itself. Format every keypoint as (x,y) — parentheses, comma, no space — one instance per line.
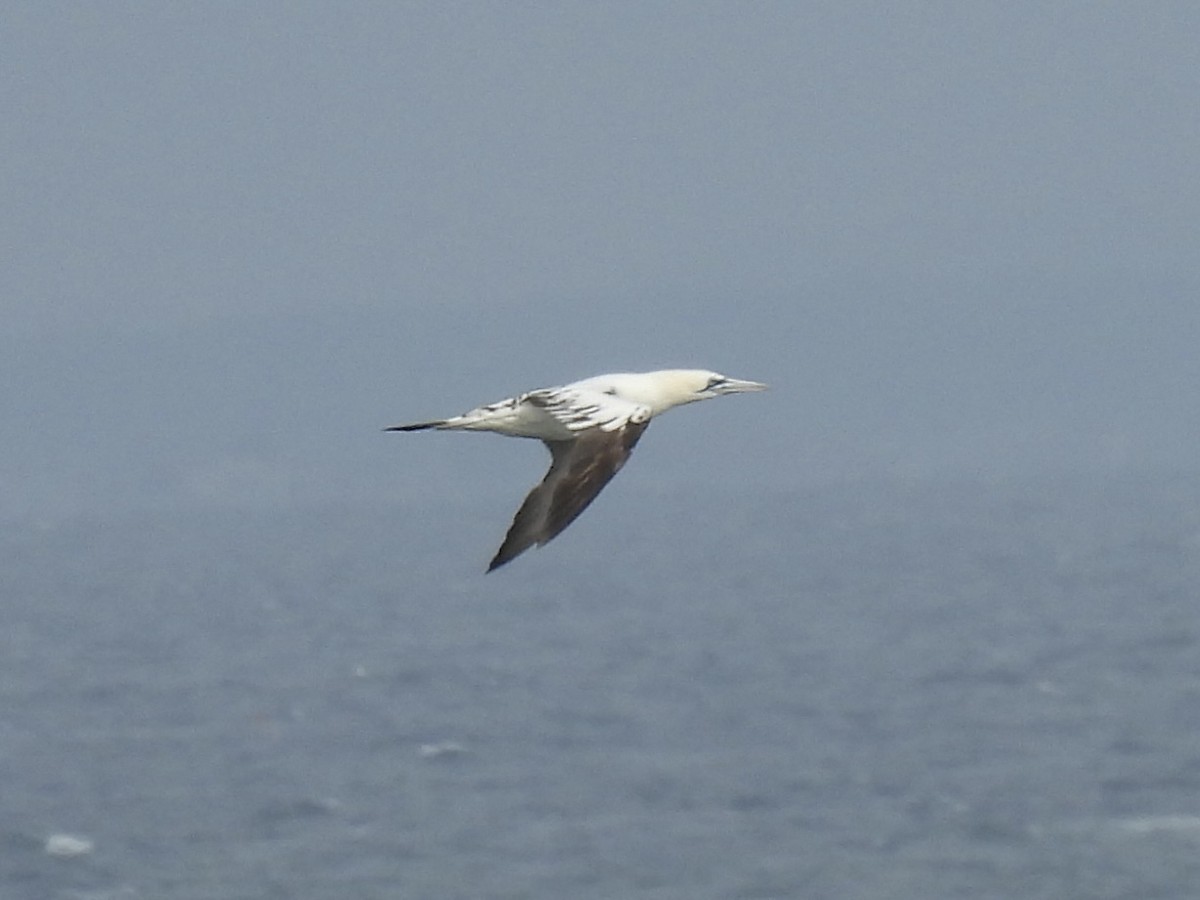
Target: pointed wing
(579,470)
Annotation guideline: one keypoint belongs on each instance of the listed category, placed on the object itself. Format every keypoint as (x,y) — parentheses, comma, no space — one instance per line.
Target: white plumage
(590,427)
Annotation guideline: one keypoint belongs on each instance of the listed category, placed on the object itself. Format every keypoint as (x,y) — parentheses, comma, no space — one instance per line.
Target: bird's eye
(715,381)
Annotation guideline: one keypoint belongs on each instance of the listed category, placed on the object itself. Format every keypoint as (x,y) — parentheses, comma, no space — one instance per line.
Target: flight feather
(579,470)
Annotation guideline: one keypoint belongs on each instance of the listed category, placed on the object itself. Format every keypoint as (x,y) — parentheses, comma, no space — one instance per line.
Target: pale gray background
(958,239)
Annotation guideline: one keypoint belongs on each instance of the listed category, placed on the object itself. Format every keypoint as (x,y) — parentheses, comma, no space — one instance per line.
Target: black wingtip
(506,554)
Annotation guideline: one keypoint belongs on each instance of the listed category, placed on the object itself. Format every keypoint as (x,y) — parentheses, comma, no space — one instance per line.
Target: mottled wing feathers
(579,470)
(580,410)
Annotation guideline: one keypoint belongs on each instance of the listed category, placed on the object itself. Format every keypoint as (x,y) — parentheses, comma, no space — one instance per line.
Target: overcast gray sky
(957,238)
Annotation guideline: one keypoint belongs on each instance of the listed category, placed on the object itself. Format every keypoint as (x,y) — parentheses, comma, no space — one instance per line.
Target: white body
(607,402)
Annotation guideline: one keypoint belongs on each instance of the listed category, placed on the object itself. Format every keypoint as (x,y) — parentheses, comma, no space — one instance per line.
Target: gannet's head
(676,387)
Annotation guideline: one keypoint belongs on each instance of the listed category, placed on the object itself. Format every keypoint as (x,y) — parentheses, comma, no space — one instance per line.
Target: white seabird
(590,428)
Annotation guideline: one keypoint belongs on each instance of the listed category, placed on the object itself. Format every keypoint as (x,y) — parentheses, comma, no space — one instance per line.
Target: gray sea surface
(891,690)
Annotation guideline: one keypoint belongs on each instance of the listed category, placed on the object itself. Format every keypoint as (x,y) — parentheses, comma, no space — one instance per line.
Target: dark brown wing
(579,470)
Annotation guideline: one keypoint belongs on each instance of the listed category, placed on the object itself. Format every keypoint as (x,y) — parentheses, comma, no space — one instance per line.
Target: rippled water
(891,691)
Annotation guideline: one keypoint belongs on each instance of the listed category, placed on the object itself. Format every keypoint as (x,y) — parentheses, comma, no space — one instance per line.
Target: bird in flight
(590,428)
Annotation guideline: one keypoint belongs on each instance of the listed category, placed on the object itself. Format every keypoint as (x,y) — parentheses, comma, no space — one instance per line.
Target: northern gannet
(590,428)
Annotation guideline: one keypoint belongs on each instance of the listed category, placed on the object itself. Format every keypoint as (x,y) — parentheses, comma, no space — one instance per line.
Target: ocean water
(923,690)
